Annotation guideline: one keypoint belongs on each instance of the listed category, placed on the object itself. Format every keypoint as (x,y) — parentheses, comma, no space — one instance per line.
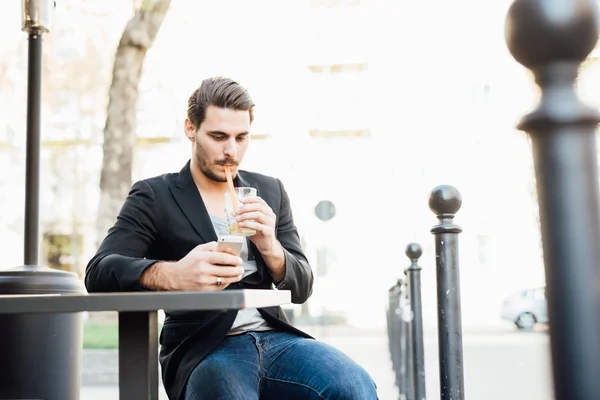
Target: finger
(214,288)
(225,280)
(223,271)
(252,215)
(210,246)
(258,212)
(253,200)
(249,207)
(222,258)
(259,205)
(228,251)
(263,229)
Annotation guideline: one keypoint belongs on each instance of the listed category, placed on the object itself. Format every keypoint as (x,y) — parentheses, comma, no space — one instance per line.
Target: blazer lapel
(188,198)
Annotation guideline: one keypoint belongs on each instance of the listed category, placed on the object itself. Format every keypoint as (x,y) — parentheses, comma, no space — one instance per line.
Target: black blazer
(163,218)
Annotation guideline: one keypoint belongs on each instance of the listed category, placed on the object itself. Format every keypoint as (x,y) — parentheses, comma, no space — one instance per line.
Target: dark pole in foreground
(413,272)
(552,38)
(445,201)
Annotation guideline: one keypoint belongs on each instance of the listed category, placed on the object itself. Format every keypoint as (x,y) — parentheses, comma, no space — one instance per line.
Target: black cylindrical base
(41,353)
(41,358)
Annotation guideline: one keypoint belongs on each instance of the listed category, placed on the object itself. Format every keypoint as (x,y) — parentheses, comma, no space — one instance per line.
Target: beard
(206,166)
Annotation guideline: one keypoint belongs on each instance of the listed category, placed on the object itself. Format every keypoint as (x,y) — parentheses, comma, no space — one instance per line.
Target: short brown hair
(219,92)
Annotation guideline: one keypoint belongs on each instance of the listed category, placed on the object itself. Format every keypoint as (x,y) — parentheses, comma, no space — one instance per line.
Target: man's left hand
(257,215)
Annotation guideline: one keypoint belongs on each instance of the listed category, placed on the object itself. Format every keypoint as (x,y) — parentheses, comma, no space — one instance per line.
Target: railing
(404,314)
(551,39)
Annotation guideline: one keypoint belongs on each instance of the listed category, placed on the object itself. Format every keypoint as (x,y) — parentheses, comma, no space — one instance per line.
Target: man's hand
(256,214)
(202,269)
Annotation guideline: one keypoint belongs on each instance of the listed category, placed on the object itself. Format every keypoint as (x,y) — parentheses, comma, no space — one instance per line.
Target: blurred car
(526,307)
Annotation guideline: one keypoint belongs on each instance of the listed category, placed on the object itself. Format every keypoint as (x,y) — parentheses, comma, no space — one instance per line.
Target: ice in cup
(233,226)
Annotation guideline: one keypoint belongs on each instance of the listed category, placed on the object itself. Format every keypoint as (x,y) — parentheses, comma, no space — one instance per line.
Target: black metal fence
(398,313)
(404,311)
(551,39)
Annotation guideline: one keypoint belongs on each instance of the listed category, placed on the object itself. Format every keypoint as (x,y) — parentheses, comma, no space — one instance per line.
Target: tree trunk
(119,131)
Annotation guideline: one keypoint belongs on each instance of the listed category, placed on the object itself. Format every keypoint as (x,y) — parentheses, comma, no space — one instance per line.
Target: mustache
(228,161)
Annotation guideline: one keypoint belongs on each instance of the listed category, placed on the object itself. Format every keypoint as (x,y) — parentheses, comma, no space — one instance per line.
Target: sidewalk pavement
(500,362)
(368,347)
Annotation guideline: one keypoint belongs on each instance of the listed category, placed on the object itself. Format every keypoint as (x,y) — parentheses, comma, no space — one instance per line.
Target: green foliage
(102,336)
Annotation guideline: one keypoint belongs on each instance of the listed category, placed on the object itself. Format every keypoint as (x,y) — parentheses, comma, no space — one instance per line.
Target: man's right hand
(201,269)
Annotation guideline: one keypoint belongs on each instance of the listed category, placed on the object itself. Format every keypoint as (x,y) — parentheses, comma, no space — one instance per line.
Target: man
(164,239)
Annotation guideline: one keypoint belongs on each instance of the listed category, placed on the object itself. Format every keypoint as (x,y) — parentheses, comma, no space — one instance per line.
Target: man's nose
(230,148)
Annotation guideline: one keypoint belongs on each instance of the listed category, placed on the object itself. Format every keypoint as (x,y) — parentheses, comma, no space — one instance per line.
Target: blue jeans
(278,365)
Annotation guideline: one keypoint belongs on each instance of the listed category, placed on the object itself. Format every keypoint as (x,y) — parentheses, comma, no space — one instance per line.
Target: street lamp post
(36,21)
(43,359)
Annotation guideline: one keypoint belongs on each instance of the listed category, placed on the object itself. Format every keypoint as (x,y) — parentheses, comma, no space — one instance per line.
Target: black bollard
(404,374)
(445,201)
(398,338)
(388,318)
(392,322)
(417,353)
(552,38)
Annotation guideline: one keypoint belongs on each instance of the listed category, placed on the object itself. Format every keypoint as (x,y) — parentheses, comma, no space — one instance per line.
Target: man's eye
(218,137)
(241,138)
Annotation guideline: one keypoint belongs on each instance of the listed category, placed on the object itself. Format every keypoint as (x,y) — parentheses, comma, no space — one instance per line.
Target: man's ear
(190,130)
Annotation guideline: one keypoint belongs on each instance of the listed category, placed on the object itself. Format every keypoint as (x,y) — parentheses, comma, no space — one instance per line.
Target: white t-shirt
(247,319)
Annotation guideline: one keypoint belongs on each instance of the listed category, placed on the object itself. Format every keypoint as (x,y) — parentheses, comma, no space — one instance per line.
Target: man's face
(222,139)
